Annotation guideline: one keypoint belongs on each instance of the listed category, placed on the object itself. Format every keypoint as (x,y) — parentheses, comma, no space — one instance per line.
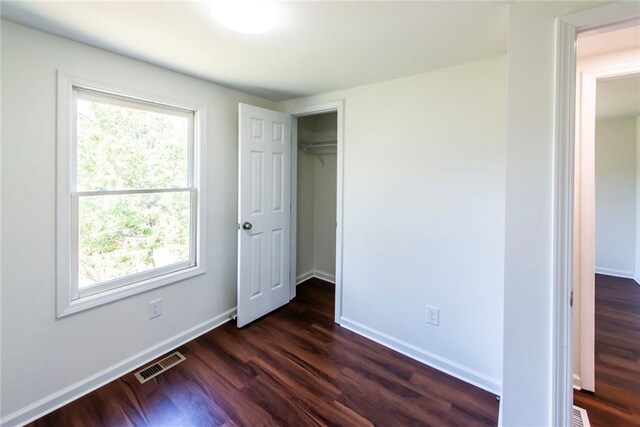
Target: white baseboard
(447,366)
(615,273)
(325,276)
(637,279)
(577,382)
(317,274)
(68,394)
(303,277)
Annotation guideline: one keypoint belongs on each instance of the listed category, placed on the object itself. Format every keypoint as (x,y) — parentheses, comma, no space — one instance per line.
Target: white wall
(324,200)
(42,355)
(324,218)
(528,297)
(304,230)
(316,244)
(615,195)
(424,165)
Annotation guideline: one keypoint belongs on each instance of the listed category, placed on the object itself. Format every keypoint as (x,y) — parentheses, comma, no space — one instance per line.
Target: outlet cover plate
(155,308)
(433,315)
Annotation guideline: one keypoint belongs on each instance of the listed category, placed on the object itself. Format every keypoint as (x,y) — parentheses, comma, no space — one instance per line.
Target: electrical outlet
(155,308)
(433,315)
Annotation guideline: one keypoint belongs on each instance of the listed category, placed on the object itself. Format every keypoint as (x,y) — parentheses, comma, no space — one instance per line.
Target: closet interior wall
(317,174)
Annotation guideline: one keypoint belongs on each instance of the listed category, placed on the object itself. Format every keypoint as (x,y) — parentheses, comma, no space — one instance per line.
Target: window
(129,202)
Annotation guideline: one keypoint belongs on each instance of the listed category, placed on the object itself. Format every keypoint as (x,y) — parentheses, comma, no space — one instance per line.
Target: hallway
(617,398)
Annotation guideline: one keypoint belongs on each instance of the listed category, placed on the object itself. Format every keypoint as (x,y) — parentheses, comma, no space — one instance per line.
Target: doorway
(606,223)
(268,146)
(598,20)
(317,201)
(317,143)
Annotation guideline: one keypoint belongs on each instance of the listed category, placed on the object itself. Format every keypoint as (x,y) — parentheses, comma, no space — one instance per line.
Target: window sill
(85,303)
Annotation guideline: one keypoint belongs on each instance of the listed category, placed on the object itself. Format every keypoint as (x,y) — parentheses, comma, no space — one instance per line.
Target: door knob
(247,226)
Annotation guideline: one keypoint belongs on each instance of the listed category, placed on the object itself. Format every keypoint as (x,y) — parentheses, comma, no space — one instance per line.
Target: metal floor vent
(580,418)
(159,367)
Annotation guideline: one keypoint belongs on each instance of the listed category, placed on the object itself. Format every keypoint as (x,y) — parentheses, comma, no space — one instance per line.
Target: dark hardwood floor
(294,367)
(616,401)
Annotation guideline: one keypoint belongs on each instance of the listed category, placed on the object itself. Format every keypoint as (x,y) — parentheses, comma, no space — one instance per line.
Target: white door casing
(567,28)
(264,202)
(590,70)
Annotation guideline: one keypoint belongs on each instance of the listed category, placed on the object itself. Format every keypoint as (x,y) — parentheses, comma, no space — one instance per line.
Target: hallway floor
(617,398)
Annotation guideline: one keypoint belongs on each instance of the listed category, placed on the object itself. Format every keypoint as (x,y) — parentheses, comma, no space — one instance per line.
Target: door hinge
(571,299)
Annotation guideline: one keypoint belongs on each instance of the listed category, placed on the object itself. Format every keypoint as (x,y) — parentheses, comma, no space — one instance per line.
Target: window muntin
(134,201)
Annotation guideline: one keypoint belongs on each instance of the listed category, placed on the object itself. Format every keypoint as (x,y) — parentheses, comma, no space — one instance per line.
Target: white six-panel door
(264,211)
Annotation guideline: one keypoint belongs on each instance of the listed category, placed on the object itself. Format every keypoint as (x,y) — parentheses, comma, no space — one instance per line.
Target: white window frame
(71,299)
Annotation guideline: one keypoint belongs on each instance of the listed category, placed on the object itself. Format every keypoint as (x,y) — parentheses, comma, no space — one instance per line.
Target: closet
(316,193)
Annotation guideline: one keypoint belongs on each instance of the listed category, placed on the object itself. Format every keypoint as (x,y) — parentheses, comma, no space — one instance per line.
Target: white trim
(327,277)
(69,299)
(111,89)
(304,277)
(440,363)
(615,273)
(74,391)
(339,108)
(136,191)
(340,162)
(293,249)
(135,279)
(566,31)
(600,19)
(317,274)
(312,110)
(564,156)
(64,164)
(576,382)
(127,101)
(98,299)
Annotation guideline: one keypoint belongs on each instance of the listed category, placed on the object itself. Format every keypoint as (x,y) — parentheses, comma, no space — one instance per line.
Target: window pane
(121,235)
(122,148)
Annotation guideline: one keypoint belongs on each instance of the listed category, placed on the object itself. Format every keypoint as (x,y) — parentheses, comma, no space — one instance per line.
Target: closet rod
(320,145)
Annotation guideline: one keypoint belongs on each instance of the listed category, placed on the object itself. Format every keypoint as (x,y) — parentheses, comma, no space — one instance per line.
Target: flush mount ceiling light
(246,16)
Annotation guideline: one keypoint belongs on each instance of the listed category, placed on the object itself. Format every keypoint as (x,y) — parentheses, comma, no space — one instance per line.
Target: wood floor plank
(294,367)
(384,406)
(616,401)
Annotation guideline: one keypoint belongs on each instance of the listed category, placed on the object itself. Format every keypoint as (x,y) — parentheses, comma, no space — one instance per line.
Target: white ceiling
(619,97)
(319,47)
(601,43)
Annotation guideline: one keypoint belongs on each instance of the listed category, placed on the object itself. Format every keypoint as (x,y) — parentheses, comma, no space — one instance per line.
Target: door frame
(311,110)
(616,64)
(567,29)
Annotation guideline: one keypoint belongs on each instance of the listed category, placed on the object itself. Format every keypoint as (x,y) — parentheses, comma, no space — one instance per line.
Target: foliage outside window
(134,197)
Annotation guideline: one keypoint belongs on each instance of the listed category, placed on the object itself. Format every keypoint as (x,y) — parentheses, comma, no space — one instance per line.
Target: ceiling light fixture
(246,16)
